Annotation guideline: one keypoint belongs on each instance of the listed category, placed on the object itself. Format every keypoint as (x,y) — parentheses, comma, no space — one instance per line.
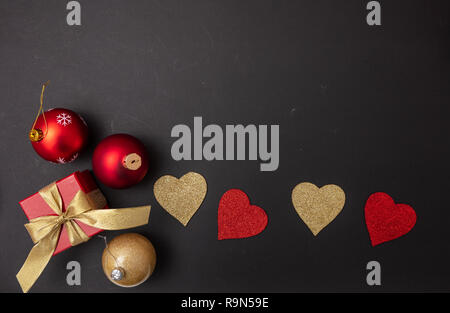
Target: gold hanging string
(117,265)
(36,134)
(107,249)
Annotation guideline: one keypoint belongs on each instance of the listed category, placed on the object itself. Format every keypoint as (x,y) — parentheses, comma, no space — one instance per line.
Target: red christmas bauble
(120,161)
(59,135)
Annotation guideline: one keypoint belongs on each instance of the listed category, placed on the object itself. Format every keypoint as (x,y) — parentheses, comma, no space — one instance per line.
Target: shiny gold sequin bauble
(181,197)
(317,207)
(128,260)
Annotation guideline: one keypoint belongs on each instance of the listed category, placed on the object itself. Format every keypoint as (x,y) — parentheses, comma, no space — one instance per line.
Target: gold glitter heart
(317,207)
(182,197)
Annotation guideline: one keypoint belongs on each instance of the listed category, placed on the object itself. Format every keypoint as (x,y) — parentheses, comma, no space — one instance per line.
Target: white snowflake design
(73,157)
(64,119)
(61,160)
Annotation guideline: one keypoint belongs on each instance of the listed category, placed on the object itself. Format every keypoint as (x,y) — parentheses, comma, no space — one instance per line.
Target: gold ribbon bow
(86,208)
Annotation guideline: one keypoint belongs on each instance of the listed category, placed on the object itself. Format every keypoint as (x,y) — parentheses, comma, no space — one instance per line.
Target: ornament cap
(117,273)
(36,134)
(132,161)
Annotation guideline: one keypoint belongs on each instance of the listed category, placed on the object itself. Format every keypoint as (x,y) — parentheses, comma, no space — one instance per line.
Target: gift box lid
(35,206)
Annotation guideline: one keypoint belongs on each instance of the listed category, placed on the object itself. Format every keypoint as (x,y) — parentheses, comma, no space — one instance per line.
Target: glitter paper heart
(182,197)
(237,218)
(386,220)
(317,207)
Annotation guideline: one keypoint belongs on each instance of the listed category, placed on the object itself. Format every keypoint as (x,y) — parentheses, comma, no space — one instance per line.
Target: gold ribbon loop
(42,226)
(85,208)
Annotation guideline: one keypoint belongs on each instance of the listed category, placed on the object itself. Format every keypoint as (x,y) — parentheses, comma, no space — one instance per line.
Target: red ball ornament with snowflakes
(58,135)
(120,161)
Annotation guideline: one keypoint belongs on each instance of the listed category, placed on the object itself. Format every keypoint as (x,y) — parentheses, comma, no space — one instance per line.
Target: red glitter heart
(237,218)
(386,220)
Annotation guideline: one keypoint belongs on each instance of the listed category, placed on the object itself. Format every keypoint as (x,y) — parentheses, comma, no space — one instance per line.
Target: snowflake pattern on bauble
(61,160)
(73,157)
(64,119)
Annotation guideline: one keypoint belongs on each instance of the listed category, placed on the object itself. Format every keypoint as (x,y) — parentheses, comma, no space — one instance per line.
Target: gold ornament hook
(117,272)
(36,134)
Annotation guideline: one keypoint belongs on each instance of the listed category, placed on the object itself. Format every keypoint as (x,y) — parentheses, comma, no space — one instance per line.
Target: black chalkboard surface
(363,107)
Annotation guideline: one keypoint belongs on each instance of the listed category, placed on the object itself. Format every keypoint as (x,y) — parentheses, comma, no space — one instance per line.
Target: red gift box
(35,206)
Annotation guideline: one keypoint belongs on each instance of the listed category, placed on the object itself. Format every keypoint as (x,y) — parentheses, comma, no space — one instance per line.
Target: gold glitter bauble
(133,255)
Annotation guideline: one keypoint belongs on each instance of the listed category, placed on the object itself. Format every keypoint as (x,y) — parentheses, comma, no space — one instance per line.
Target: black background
(366,108)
